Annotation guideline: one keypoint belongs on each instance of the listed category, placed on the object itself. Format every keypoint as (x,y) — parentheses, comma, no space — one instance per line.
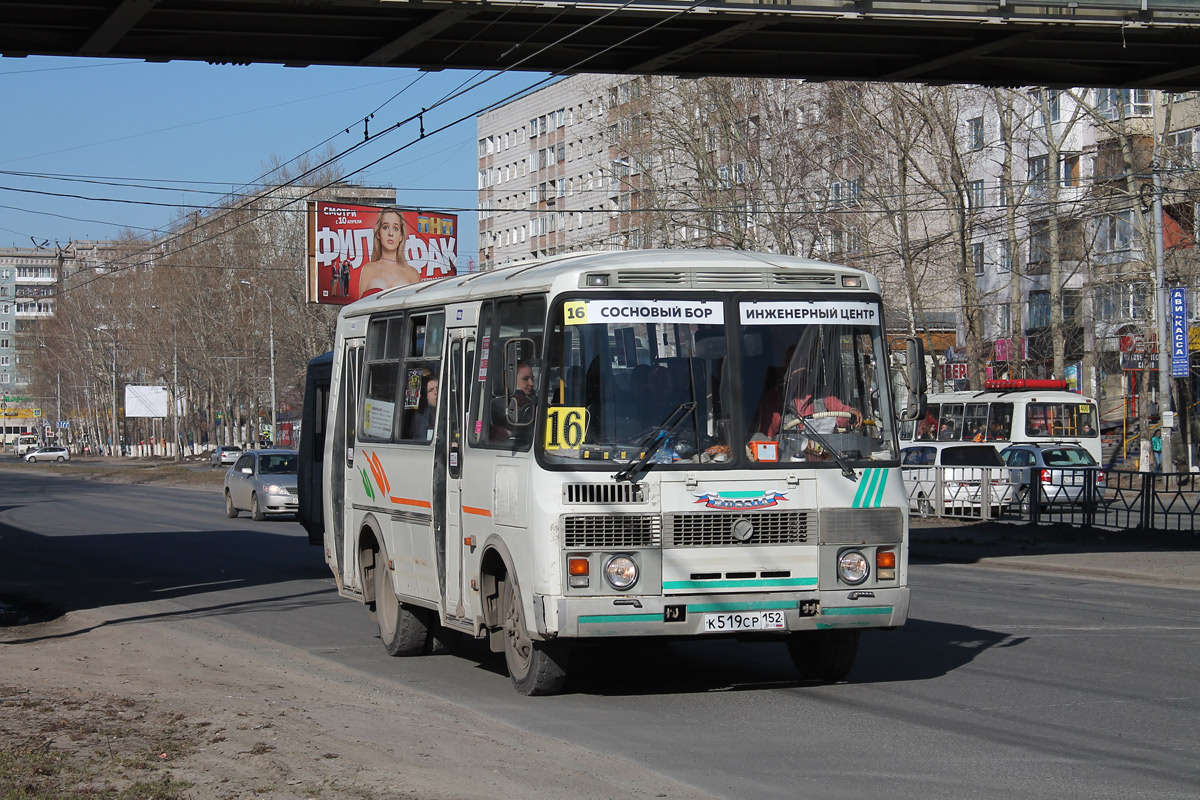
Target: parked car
(262,482)
(1064,470)
(225,454)
(948,478)
(49,453)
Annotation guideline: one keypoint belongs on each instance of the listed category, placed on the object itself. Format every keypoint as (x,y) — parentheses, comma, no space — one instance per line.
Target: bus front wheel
(823,655)
(536,667)
(402,629)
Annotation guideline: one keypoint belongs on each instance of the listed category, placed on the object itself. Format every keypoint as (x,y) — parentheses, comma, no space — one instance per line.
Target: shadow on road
(65,573)
(936,541)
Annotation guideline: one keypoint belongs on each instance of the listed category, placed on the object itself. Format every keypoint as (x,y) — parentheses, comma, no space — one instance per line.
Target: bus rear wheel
(823,655)
(402,629)
(536,667)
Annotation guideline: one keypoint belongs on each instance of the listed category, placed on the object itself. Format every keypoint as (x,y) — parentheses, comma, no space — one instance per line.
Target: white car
(49,453)
(955,479)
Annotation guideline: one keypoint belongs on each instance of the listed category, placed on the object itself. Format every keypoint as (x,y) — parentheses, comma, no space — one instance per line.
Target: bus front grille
(604,493)
(611,531)
(718,530)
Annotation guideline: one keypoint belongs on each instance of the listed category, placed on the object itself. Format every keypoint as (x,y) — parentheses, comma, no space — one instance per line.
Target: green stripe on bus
(869,500)
(603,618)
(762,605)
(870,488)
(749,583)
(878,500)
(862,488)
(847,612)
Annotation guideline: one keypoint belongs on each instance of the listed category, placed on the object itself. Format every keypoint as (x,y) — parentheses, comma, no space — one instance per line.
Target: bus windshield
(624,373)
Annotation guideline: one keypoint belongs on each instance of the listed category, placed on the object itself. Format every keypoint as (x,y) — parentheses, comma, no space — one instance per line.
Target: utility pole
(271,336)
(174,385)
(116,437)
(175,391)
(1165,410)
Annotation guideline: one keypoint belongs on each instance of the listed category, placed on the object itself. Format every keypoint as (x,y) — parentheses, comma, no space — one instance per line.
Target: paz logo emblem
(740,501)
(742,529)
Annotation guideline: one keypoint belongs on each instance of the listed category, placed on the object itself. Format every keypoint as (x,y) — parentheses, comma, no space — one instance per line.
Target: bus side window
(1000,421)
(422,376)
(381,380)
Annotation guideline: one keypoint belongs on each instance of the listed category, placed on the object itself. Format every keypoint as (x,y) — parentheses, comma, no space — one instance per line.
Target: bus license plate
(744,621)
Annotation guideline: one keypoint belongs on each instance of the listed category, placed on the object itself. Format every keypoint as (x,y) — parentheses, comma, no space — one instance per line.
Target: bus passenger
(422,422)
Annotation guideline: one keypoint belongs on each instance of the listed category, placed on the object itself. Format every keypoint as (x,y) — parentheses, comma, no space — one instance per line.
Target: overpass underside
(1117,43)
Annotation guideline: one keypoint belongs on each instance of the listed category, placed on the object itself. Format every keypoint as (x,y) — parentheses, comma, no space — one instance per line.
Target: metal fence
(1115,499)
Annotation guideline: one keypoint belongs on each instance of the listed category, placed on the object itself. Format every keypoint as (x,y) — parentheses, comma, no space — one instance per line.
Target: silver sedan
(262,482)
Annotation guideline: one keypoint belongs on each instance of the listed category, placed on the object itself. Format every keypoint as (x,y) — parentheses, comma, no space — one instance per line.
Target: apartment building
(543,164)
(1064,243)
(28,285)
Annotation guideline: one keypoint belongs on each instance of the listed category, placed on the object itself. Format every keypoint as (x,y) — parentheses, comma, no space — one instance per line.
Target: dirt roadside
(156,710)
(172,710)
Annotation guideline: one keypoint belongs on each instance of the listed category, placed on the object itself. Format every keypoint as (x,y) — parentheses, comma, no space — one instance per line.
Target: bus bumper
(700,615)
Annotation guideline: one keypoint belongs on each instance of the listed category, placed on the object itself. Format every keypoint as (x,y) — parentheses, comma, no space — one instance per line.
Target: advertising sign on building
(355,251)
(1177,311)
(954,372)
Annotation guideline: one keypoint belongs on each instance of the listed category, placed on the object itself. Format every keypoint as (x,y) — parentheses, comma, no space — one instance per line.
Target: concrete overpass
(1117,43)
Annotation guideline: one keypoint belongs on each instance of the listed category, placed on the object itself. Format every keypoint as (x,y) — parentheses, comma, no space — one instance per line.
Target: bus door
(341,461)
(458,542)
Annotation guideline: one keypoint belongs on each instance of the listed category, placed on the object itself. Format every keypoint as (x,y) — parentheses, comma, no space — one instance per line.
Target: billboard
(355,251)
(145,401)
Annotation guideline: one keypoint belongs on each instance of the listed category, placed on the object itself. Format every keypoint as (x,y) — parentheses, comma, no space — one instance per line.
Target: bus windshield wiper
(653,443)
(834,453)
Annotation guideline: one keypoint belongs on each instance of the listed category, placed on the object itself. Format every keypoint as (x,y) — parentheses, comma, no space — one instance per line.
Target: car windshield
(752,382)
(1068,457)
(284,464)
(971,456)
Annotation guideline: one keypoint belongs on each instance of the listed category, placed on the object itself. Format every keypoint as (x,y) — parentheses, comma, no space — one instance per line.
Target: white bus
(1007,411)
(584,448)
(26,442)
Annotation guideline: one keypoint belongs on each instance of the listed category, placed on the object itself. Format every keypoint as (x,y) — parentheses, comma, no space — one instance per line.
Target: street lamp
(115,442)
(271,328)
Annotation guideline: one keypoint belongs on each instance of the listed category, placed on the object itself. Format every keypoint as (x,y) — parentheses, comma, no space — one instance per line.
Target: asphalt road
(1004,684)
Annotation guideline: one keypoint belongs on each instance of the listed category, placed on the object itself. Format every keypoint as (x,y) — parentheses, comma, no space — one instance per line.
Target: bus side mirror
(918,386)
(517,353)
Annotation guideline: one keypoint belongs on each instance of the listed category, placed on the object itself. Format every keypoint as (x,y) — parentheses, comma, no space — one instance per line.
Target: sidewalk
(1160,557)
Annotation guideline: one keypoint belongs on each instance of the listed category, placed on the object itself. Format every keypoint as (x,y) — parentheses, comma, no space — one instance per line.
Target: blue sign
(1177,302)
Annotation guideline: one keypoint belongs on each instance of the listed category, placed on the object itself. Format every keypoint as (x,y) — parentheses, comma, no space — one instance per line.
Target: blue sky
(187,132)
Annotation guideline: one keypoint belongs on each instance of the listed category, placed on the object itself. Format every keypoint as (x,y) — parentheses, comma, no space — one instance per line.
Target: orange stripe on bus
(482,512)
(404,501)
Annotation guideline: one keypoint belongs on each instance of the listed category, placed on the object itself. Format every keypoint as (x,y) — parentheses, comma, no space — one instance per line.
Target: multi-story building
(542,173)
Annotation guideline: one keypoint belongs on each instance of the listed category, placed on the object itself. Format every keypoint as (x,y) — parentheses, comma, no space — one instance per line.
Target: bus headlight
(621,572)
(853,567)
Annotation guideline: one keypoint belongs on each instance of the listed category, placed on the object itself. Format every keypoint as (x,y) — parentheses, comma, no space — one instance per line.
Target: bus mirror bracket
(918,386)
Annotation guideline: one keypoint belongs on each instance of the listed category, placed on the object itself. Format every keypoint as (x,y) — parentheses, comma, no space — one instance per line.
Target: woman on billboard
(388,266)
